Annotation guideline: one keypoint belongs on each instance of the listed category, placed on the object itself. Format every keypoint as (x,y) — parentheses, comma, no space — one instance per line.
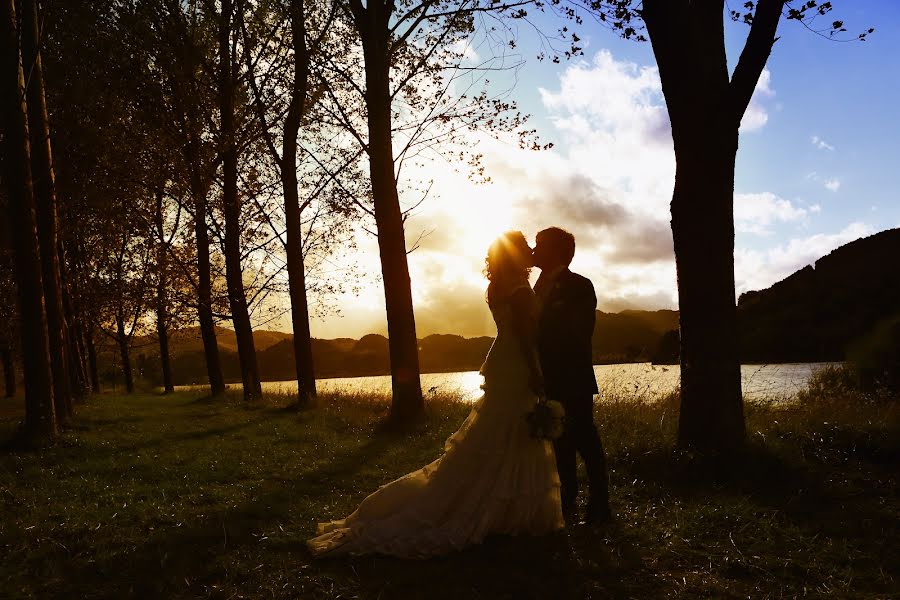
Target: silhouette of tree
(705,109)
(290,102)
(9,318)
(179,43)
(396,86)
(227,20)
(43,176)
(81,144)
(123,283)
(40,415)
(163,245)
(204,102)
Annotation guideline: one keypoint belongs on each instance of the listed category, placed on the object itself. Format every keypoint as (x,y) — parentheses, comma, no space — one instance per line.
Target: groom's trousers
(580,436)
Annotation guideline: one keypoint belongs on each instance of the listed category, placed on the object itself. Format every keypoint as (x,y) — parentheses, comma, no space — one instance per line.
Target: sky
(817,168)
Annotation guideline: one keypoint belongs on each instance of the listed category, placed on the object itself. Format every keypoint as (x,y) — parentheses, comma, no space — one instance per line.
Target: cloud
(609,180)
(464,48)
(821,144)
(458,308)
(576,198)
(598,217)
(756,115)
(612,118)
(754,213)
(833,184)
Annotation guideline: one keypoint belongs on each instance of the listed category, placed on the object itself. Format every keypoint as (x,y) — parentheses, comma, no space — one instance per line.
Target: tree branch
(754,55)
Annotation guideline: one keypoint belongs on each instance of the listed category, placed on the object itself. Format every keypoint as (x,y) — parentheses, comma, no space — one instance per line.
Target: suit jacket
(564,332)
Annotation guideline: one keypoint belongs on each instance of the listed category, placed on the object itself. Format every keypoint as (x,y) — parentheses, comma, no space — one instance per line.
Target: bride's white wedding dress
(492,478)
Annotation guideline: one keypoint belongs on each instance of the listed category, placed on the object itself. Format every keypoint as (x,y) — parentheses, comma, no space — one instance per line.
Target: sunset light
(566,300)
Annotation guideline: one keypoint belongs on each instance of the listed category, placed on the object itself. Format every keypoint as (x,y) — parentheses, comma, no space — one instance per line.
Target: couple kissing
(495,476)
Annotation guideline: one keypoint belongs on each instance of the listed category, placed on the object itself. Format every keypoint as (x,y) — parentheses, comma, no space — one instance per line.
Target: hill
(817,312)
(630,335)
(812,315)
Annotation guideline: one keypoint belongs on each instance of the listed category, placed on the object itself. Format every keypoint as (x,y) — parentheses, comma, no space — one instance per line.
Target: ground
(189,497)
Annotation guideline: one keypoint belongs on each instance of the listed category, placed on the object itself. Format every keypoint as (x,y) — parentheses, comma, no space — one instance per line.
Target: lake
(642,380)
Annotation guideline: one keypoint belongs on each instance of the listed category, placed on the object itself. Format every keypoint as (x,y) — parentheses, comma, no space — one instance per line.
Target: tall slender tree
(228,64)
(180,45)
(40,415)
(410,58)
(308,24)
(297,109)
(9,368)
(163,245)
(43,176)
(9,319)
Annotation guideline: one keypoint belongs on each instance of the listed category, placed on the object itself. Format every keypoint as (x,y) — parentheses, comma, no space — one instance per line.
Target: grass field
(189,497)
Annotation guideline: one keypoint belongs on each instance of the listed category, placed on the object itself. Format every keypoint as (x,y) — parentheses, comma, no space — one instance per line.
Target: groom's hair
(561,241)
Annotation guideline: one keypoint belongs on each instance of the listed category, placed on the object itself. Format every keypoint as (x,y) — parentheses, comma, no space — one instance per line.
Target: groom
(565,328)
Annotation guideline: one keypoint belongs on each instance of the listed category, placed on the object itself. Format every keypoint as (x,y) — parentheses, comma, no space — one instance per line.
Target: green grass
(186,497)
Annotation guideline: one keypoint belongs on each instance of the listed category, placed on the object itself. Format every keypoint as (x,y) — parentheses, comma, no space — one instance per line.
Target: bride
(493,478)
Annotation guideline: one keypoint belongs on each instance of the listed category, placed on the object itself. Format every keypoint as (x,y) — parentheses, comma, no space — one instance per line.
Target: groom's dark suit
(565,328)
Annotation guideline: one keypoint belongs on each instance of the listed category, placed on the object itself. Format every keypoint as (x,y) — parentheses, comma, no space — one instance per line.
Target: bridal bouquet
(546,420)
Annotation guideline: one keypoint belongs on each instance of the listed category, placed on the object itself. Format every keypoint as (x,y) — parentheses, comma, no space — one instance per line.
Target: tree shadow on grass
(579,562)
(163,440)
(198,559)
(187,560)
(98,422)
(815,494)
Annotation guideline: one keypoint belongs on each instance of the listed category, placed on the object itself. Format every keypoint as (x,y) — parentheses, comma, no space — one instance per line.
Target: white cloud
(832,184)
(463,47)
(759,269)
(754,213)
(756,115)
(609,180)
(820,143)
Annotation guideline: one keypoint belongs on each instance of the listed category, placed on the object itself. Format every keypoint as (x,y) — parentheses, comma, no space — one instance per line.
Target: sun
(478,212)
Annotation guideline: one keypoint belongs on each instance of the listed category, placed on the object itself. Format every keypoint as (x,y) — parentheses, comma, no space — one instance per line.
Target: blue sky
(817,167)
(847,94)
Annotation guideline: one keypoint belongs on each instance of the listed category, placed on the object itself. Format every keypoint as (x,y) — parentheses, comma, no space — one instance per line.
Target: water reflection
(775,382)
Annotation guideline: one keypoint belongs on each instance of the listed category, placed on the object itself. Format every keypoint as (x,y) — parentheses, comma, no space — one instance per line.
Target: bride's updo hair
(507,264)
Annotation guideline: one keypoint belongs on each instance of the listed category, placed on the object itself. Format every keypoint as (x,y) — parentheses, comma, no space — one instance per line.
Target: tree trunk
(47,222)
(231,209)
(200,183)
(92,360)
(199,190)
(164,357)
(77,374)
(162,307)
(74,309)
(9,371)
(303,358)
(407,403)
(712,416)
(40,416)
(83,355)
(124,355)
(688,41)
